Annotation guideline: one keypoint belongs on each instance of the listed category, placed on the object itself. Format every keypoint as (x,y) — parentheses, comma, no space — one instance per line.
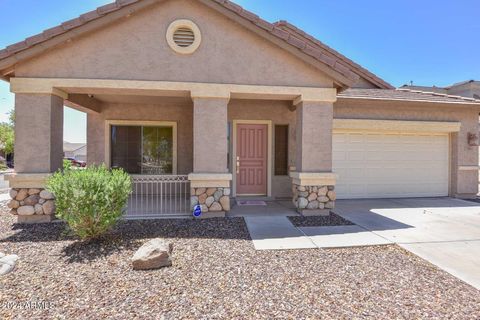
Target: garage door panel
(389,166)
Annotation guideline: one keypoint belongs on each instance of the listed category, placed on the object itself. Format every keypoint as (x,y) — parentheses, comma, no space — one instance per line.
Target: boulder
(7,263)
(301,188)
(44,194)
(22,194)
(225,202)
(26,211)
(226,191)
(48,207)
(154,254)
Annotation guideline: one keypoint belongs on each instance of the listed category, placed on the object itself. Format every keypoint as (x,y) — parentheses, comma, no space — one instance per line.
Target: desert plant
(91,201)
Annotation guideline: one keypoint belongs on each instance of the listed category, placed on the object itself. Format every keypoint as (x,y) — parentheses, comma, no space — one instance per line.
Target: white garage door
(390,165)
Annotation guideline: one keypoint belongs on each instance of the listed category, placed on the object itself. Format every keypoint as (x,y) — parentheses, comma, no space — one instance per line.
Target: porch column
(210,180)
(313,183)
(38,153)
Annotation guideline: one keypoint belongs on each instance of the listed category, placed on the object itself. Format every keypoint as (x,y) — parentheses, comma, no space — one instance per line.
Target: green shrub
(91,201)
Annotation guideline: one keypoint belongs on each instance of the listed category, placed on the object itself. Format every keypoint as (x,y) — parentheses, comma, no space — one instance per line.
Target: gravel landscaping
(216,274)
(320,221)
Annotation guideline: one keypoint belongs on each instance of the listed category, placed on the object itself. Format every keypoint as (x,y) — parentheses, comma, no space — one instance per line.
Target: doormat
(251,203)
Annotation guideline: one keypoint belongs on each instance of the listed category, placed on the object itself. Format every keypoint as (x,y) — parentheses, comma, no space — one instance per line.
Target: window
(281,150)
(142,149)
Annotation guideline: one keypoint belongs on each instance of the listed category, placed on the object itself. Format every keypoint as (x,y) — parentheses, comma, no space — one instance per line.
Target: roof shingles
(405,95)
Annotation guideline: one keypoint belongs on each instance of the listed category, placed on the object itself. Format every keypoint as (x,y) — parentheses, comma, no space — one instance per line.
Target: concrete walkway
(443,231)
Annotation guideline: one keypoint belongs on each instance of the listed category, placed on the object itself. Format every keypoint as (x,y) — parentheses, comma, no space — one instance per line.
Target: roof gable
(343,71)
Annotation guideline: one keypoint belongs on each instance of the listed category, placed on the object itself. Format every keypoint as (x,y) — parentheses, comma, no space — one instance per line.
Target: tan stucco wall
(463,183)
(38,133)
(136,48)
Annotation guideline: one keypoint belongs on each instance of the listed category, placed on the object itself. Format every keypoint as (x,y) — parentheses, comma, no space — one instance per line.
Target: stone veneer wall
(211,199)
(32,201)
(314,197)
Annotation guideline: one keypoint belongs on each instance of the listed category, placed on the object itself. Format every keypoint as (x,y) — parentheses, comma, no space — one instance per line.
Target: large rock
(202,198)
(153,255)
(26,211)
(44,194)
(48,207)
(7,263)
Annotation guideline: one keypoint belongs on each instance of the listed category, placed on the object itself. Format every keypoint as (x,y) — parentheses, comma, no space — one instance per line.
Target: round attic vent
(183,36)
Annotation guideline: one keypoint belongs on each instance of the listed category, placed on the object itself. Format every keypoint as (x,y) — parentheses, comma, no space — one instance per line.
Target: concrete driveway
(443,231)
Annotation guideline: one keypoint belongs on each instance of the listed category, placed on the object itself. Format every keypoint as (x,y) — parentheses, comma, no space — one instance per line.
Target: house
(207,92)
(469,89)
(77,151)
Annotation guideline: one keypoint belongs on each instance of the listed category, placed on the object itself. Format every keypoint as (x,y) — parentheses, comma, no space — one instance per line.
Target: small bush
(91,201)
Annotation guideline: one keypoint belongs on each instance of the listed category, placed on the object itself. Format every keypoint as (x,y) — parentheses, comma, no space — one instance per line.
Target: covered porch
(184,143)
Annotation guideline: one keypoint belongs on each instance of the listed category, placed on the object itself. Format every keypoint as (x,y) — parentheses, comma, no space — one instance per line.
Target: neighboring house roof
(403,94)
(339,64)
(72,147)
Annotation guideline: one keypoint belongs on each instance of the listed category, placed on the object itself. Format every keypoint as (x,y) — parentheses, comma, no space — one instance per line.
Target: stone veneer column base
(212,192)
(30,202)
(313,193)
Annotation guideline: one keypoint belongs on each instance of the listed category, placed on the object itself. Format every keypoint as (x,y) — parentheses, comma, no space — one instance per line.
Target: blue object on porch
(197,211)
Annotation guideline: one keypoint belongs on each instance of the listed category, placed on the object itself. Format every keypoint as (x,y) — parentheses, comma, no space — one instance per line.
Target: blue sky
(429,42)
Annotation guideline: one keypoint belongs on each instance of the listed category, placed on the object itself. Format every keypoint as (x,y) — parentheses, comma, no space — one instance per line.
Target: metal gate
(159,196)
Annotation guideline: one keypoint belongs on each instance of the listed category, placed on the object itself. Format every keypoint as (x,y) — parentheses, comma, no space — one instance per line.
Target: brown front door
(252,150)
